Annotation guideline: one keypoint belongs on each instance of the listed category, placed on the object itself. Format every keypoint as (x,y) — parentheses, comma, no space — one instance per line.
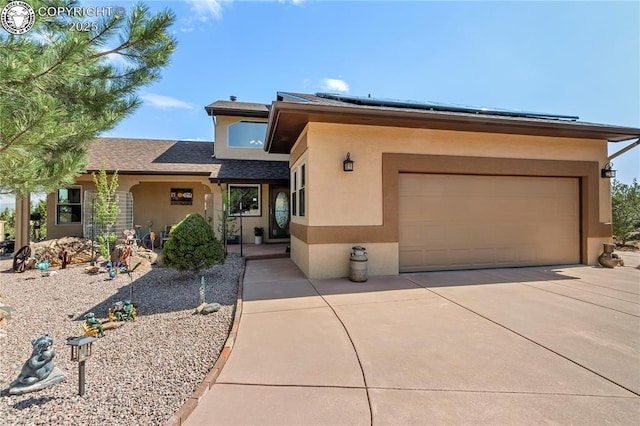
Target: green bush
(106,242)
(192,246)
(625,206)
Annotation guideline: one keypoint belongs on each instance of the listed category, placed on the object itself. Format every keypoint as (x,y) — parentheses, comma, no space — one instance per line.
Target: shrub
(192,245)
(106,241)
(625,206)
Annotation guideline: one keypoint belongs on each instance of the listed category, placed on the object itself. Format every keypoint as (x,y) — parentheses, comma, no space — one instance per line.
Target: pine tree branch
(19,135)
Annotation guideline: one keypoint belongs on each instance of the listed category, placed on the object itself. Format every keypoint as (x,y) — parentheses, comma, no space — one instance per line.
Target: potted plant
(258,231)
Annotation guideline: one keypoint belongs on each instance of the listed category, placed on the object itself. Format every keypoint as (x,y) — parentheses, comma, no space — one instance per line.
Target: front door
(279,211)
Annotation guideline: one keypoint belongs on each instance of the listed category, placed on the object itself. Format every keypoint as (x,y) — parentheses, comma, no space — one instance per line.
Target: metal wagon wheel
(21,258)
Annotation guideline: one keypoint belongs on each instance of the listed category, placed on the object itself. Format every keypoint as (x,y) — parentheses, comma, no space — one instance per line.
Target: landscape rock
(200,308)
(211,308)
(78,249)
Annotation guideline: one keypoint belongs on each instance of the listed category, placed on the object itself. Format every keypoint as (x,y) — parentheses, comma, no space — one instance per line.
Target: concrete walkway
(516,346)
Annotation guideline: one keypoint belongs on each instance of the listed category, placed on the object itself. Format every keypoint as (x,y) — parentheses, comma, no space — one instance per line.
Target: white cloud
(334,85)
(165,102)
(202,11)
(117,60)
(295,2)
(205,9)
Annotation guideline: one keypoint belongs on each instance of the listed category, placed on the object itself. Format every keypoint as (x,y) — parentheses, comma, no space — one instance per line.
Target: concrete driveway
(524,345)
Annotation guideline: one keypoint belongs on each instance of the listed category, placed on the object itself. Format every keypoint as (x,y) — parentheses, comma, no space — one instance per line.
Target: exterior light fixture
(81,350)
(347,164)
(607,172)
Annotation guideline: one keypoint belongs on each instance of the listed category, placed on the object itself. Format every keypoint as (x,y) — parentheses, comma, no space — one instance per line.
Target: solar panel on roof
(437,106)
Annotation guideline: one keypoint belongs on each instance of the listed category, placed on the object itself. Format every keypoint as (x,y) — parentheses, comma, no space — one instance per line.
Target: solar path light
(81,350)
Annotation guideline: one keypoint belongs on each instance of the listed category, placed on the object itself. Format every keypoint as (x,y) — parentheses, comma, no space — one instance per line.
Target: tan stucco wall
(336,198)
(328,145)
(332,260)
(249,222)
(222,150)
(151,201)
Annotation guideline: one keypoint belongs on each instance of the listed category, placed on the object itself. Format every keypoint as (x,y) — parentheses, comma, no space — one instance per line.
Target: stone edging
(210,379)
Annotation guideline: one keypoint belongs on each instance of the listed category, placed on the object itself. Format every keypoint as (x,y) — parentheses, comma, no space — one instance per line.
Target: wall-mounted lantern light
(81,350)
(347,164)
(608,172)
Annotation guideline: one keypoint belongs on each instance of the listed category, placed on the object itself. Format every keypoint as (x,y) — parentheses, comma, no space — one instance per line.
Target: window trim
(302,199)
(245,185)
(245,147)
(294,193)
(69,204)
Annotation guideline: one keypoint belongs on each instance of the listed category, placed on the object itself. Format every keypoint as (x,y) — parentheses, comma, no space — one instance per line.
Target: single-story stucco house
(422,186)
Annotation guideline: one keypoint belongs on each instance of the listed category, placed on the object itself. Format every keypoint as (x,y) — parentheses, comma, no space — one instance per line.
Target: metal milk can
(358,264)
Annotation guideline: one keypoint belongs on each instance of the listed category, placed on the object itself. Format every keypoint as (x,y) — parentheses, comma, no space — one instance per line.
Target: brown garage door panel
(466,222)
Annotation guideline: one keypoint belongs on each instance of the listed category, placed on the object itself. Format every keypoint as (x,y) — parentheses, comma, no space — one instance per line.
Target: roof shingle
(153,156)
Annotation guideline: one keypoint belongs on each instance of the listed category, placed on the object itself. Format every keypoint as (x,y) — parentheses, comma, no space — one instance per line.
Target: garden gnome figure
(38,372)
(93,322)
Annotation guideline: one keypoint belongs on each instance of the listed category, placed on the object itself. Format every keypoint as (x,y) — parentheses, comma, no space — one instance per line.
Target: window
(247,134)
(301,191)
(69,205)
(248,196)
(294,193)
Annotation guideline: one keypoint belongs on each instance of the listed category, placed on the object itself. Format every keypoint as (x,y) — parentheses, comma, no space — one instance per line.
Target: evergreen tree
(625,206)
(192,246)
(60,88)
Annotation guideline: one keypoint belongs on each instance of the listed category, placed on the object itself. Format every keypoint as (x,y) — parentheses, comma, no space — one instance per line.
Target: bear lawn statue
(38,372)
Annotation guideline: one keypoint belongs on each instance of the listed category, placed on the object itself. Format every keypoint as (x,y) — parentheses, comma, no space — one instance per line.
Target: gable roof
(291,112)
(171,157)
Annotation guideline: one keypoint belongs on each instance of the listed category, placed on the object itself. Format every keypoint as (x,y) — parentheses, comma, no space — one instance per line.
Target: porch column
(23,210)
(2,222)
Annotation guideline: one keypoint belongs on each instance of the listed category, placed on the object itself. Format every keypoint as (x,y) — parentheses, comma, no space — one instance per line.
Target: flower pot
(258,239)
(606,259)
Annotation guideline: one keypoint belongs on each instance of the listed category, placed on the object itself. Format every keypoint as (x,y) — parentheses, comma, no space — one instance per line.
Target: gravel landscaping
(141,373)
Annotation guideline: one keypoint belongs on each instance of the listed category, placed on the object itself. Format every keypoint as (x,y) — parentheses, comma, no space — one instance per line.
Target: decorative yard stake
(202,289)
(130,273)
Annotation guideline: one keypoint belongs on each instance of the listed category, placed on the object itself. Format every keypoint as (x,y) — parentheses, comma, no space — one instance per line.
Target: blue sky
(575,58)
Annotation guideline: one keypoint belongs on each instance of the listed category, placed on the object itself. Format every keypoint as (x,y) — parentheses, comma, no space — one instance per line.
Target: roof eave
(296,115)
(239,112)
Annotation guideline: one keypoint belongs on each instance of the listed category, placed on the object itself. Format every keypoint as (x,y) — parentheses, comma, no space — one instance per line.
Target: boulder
(78,250)
(211,308)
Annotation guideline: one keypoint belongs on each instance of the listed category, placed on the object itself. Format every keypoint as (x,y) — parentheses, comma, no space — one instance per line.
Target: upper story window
(247,134)
(69,205)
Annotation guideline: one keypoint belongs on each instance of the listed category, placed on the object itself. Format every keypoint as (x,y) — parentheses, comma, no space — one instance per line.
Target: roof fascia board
(236,112)
(492,124)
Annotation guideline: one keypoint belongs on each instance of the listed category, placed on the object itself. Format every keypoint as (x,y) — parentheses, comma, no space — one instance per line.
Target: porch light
(347,164)
(81,350)
(607,172)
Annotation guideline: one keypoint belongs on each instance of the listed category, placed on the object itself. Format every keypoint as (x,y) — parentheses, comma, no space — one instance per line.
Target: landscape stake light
(81,350)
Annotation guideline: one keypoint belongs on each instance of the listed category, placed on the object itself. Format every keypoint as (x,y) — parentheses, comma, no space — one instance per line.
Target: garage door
(469,222)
